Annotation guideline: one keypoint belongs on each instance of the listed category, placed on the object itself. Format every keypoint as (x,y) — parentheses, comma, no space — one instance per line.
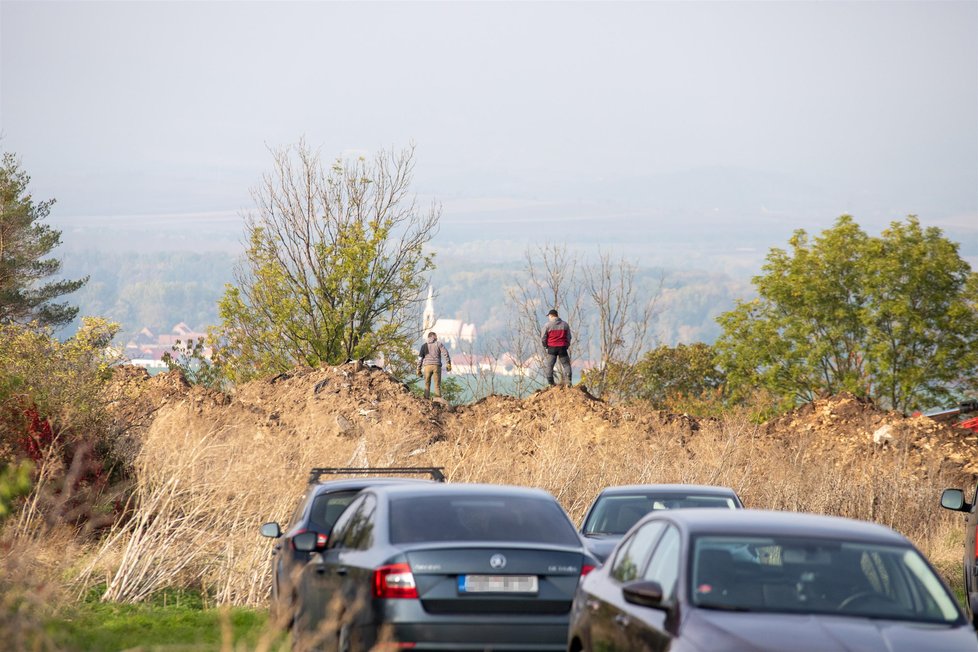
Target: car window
(343,522)
(799,575)
(617,513)
(664,565)
(467,517)
(358,533)
(300,509)
(633,551)
(326,508)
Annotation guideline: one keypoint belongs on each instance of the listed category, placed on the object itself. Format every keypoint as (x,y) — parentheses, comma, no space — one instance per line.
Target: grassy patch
(172,621)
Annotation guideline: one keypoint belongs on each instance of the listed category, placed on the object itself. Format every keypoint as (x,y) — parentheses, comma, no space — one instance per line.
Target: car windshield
(617,513)
(480,518)
(795,575)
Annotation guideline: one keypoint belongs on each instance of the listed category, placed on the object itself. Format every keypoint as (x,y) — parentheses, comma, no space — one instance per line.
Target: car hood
(601,546)
(765,632)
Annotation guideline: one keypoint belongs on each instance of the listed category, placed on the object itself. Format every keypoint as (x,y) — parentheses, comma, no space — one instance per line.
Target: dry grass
(208,478)
(29,588)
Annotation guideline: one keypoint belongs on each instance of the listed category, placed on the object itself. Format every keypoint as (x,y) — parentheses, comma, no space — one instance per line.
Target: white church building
(453,332)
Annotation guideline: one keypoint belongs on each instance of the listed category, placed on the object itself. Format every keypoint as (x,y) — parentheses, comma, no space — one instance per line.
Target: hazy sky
(803,110)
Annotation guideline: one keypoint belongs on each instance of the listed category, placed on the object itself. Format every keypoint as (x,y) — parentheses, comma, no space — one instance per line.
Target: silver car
(617,509)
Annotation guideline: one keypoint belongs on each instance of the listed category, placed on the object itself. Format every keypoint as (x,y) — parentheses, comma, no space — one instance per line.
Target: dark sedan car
(317,511)
(954,499)
(700,580)
(443,567)
(617,509)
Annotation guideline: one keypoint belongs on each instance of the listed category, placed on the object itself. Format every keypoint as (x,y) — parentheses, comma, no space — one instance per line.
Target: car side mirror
(305,542)
(953,499)
(643,593)
(271,530)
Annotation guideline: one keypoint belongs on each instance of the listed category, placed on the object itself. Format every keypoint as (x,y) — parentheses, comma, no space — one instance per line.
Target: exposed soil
(352,401)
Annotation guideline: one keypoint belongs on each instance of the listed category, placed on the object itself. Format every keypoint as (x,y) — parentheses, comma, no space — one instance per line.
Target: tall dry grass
(204,488)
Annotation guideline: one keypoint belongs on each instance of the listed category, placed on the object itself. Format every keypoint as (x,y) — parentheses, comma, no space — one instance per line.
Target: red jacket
(556,334)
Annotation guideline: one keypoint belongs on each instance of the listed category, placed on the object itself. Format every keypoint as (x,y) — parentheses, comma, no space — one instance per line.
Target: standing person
(429,363)
(556,341)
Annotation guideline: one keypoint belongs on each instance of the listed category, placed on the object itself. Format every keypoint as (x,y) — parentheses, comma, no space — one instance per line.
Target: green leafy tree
(53,413)
(684,378)
(668,373)
(15,481)
(25,243)
(334,267)
(893,318)
(193,359)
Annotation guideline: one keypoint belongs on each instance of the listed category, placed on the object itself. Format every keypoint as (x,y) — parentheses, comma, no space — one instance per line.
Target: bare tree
(334,266)
(552,281)
(623,315)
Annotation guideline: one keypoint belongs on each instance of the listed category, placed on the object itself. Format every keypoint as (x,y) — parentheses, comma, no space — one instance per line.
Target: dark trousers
(555,353)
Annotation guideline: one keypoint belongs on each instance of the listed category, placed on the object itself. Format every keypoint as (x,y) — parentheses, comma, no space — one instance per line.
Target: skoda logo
(497,561)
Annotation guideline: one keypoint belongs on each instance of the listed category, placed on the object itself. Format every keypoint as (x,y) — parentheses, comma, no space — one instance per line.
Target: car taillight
(585,569)
(321,540)
(394,581)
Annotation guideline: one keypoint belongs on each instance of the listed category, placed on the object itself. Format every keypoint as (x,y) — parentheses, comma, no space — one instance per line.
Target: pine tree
(25,243)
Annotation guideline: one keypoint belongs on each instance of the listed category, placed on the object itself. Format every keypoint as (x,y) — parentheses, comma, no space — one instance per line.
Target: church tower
(428,318)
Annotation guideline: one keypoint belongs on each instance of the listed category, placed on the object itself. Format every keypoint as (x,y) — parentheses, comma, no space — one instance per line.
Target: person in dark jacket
(429,363)
(556,342)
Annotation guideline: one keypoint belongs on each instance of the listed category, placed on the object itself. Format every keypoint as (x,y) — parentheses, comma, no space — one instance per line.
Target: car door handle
(341,570)
(593,605)
(622,620)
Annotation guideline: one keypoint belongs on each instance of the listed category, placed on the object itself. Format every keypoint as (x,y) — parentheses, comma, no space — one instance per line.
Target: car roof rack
(436,472)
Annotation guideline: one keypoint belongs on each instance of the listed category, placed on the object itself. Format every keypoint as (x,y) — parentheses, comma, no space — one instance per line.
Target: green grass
(171,622)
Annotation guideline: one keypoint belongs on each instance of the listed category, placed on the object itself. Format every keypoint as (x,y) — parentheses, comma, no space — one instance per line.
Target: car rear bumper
(410,623)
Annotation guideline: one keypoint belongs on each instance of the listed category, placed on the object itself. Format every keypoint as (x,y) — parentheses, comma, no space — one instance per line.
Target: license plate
(497,584)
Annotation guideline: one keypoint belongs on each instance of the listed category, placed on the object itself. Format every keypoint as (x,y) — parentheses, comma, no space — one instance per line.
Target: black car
(317,511)
(617,509)
(954,500)
(745,580)
(443,567)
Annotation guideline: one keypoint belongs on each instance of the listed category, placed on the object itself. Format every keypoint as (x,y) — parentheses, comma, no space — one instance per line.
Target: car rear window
(617,513)
(480,518)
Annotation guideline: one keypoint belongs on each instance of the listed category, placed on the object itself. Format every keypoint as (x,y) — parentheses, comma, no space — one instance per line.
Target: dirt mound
(352,401)
(848,427)
(574,408)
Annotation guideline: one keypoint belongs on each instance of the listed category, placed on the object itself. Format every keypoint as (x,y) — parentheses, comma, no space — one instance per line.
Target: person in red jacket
(556,341)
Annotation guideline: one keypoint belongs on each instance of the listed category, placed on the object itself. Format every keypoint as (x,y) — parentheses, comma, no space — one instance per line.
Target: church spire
(428,318)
